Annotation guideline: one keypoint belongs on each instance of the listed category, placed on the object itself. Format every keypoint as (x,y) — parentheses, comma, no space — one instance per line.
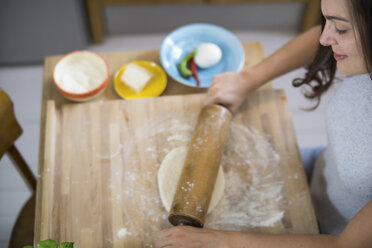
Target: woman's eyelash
(339,31)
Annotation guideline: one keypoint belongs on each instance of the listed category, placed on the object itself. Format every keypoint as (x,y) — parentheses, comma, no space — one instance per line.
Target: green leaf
(28,246)
(66,245)
(49,243)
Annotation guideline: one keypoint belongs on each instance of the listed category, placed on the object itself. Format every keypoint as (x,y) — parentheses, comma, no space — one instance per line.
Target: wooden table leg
(96,20)
(311,16)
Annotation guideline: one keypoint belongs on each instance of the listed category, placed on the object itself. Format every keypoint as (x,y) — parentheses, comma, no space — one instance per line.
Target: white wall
(33,29)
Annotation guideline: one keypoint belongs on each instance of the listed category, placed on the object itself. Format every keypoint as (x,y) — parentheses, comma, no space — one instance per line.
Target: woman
(341,184)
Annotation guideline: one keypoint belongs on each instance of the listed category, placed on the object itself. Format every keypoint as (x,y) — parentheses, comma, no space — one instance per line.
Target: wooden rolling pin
(195,186)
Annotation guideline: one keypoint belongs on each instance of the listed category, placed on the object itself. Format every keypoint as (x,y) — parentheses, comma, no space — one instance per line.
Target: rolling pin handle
(180,219)
(223,105)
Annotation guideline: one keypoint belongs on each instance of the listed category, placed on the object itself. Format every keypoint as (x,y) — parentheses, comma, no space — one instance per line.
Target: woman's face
(339,33)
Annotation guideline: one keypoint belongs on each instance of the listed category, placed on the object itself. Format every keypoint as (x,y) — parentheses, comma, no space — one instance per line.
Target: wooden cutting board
(99,180)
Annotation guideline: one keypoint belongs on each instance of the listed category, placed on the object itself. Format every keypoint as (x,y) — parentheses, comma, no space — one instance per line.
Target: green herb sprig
(49,243)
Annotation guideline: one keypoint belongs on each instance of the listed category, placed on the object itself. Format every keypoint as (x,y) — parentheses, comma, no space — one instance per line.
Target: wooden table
(267,111)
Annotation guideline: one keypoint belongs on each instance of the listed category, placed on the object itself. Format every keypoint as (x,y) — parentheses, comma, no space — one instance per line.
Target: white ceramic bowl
(81,75)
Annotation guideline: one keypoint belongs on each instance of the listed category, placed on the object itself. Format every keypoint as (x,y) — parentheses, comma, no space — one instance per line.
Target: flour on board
(253,195)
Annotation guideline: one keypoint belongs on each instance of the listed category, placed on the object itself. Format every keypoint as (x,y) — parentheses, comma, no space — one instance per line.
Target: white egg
(207,55)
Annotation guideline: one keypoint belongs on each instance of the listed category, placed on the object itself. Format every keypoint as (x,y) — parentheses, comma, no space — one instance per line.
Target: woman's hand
(230,89)
(356,234)
(186,236)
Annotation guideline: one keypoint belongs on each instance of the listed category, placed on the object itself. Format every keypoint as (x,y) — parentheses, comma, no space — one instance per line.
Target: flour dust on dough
(169,173)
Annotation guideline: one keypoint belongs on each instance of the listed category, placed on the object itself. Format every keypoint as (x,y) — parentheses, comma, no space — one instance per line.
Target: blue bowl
(186,39)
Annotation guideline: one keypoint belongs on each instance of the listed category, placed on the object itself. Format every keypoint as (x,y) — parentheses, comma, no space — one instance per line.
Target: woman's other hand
(187,236)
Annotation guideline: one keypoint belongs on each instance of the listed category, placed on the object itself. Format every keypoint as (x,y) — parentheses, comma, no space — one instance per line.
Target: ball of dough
(207,55)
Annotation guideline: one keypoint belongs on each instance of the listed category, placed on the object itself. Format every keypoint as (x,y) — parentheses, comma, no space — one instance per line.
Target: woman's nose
(327,37)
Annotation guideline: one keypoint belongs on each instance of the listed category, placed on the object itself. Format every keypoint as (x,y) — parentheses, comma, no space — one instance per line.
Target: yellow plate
(155,86)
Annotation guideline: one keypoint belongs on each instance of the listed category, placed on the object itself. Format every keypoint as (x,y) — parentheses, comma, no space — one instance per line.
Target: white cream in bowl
(80,72)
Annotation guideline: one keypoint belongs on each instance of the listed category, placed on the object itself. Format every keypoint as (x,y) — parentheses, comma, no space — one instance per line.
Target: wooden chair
(96,20)
(23,229)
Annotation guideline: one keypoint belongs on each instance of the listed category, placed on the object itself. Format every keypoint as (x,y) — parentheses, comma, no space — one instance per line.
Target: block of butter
(136,77)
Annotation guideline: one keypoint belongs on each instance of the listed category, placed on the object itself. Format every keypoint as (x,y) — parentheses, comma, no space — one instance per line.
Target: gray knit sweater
(342,179)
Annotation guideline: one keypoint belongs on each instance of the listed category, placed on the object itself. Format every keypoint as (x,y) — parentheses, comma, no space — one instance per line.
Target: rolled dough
(169,173)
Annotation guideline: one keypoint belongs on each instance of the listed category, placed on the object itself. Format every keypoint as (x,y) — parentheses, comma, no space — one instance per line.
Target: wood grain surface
(254,53)
(98,186)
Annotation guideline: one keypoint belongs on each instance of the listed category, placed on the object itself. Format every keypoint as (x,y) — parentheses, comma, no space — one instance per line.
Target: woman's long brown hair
(321,72)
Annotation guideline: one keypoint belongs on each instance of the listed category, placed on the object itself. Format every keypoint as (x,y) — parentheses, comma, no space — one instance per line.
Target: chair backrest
(10,130)
(96,20)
